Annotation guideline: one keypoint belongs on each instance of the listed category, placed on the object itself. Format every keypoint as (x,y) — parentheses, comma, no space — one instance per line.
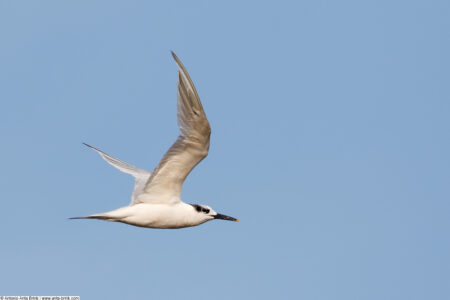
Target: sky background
(330,141)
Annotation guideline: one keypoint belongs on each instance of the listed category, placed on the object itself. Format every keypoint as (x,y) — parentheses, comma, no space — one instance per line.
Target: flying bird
(156,199)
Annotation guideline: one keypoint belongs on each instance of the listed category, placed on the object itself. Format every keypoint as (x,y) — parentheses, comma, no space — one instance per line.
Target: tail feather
(92,217)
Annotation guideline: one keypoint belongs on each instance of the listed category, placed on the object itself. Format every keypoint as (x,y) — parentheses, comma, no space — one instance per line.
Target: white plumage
(156,199)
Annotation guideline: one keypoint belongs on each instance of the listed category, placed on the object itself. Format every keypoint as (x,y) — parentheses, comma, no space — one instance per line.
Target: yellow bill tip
(237,220)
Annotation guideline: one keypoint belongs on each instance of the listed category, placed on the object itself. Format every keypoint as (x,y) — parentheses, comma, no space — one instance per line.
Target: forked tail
(99,217)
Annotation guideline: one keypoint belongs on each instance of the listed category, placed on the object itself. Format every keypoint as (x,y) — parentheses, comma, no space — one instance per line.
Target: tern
(156,199)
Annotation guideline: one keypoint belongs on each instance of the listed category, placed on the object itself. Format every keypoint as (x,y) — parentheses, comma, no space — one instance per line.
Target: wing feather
(191,146)
(140,176)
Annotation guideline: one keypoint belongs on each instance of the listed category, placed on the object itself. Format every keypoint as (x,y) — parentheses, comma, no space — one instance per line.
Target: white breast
(160,215)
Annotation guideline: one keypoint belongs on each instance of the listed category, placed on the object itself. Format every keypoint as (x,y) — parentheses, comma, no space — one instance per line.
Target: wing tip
(175,57)
(92,147)
(178,61)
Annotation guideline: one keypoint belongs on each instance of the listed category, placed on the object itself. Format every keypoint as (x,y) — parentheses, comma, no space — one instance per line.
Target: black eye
(206,211)
(198,208)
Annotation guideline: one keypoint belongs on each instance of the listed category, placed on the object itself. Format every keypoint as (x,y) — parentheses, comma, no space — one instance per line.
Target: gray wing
(141,176)
(192,145)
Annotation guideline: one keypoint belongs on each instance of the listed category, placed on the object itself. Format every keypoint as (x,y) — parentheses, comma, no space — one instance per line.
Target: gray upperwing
(191,147)
(141,176)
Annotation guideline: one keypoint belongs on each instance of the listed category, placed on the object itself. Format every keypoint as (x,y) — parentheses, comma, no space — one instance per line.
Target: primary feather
(191,146)
(141,176)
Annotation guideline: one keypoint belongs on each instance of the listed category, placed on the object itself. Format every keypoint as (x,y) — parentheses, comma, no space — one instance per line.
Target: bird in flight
(156,199)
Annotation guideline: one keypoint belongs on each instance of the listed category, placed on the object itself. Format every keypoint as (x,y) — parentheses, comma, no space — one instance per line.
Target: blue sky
(331,142)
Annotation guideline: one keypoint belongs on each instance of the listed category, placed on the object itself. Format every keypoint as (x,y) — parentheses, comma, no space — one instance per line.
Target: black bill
(223,217)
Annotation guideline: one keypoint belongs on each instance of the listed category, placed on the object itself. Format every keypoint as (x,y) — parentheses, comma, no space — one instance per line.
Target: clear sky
(330,141)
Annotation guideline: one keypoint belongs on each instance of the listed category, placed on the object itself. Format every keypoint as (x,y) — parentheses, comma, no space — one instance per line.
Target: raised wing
(141,176)
(192,145)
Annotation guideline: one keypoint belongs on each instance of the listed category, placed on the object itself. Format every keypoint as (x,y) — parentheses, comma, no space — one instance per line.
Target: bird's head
(206,213)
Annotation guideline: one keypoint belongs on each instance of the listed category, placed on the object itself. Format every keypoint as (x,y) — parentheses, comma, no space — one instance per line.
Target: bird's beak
(223,217)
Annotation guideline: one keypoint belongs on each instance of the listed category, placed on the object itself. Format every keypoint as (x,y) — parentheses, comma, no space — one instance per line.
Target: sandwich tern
(156,199)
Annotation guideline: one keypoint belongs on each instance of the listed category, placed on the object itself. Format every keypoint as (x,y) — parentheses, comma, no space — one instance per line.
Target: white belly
(157,215)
